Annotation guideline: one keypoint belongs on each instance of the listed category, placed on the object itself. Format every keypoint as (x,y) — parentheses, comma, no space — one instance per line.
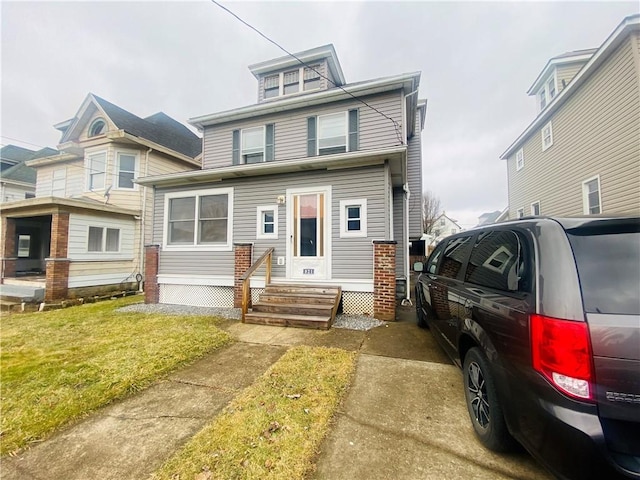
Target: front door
(308,250)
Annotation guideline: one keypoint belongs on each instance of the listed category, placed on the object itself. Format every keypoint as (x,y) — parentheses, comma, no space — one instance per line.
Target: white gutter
(341,160)
(310,99)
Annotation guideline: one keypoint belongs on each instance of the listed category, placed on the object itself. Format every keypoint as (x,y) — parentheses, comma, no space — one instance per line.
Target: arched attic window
(98,127)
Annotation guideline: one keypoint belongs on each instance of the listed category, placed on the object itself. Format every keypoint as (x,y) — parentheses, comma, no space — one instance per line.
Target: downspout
(407,194)
(142,222)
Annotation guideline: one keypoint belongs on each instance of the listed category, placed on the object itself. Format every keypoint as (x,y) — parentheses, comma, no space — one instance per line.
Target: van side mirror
(418,267)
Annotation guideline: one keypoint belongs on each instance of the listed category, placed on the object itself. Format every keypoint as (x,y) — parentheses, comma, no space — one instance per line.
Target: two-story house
(326,173)
(443,226)
(83,233)
(581,154)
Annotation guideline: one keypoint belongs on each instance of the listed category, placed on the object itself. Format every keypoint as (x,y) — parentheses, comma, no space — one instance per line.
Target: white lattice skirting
(354,303)
(196,295)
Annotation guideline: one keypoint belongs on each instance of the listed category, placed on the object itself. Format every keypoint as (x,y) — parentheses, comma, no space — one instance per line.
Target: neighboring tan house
(17,180)
(83,232)
(581,154)
(325,172)
(443,226)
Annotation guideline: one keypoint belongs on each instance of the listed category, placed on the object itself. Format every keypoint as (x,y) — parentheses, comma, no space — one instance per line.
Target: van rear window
(609,268)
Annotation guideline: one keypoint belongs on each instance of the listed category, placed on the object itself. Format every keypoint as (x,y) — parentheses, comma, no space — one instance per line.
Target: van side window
(497,261)
(454,256)
(434,257)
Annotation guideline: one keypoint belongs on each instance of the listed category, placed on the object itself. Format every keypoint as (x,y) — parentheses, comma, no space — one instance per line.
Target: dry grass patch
(60,365)
(274,428)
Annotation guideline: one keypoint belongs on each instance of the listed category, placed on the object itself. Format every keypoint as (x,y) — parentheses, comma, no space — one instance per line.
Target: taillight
(561,351)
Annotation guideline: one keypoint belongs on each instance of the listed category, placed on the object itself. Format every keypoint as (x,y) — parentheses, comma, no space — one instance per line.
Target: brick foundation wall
(243,253)
(151,261)
(384,280)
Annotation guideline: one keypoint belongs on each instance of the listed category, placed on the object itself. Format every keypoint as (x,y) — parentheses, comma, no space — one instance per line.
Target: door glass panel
(308,225)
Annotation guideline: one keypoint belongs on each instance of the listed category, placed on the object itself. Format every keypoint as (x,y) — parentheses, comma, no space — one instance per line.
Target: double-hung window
(332,133)
(591,202)
(267,222)
(353,218)
(520,159)
(272,86)
(291,81)
(312,77)
(96,167)
(102,239)
(253,145)
(547,136)
(535,208)
(126,170)
(200,219)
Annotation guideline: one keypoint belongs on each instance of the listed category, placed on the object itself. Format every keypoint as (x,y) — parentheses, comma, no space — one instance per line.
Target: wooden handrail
(246,279)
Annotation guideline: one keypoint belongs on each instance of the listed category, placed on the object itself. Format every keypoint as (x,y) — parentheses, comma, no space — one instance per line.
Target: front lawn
(274,428)
(59,365)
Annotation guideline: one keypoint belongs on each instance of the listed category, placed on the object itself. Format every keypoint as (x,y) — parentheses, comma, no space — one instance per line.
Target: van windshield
(608,262)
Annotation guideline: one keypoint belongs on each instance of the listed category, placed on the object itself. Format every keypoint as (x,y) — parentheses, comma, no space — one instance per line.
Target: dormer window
(98,127)
(547,92)
(292,81)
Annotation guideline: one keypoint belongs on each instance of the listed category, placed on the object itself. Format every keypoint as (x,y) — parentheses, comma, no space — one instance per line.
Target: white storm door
(308,231)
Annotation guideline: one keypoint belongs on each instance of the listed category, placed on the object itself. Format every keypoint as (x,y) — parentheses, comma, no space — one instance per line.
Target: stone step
(21,293)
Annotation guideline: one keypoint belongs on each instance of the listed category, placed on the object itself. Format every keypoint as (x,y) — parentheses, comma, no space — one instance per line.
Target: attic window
(98,127)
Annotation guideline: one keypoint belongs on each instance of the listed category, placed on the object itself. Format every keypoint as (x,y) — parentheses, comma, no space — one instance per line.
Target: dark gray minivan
(543,316)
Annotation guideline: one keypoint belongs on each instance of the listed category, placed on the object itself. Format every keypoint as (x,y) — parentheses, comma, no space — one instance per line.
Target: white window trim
(544,147)
(520,212)
(346,130)
(87,165)
(116,169)
(539,211)
(264,143)
(544,90)
(301,89)
(585,195)
(226,247)
(259,230)
(103,247)
(520,159)
(362,203)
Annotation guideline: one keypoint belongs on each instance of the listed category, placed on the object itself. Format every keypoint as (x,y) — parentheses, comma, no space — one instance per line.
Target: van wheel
(420,315)
(483,405)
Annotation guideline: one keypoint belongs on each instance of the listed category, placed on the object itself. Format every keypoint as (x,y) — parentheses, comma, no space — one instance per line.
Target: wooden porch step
(289,320)
(264,306)
(301,288)
(306,298)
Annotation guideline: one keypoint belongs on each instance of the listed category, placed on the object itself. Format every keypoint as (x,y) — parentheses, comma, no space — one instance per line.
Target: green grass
(274,428)
(57,366)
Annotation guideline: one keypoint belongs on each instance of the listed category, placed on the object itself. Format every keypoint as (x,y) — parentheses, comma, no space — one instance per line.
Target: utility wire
(395,124)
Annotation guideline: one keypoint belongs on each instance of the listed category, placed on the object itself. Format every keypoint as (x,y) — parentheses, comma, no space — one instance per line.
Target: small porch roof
(48,205)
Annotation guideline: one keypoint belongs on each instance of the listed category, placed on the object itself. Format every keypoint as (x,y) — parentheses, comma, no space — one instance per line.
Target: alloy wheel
(478,395)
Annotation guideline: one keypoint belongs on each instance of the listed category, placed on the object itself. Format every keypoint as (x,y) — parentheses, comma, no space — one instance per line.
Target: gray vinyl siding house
(316,174)
(590,163)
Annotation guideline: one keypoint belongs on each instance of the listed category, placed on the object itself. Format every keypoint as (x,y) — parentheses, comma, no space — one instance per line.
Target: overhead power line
(395,123)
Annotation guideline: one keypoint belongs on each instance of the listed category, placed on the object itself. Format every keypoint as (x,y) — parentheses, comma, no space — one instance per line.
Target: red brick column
(58,264)
(151,261)
(9,253)
(243,253)
(57,279)
(384,280)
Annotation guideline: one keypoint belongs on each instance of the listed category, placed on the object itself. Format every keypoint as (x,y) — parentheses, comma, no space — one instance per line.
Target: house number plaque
(308,271)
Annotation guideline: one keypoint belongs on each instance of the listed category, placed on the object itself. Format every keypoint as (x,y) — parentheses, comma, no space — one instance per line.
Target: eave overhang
(553,63)
(409,82)
(40,205)
(396,156)
(628,25)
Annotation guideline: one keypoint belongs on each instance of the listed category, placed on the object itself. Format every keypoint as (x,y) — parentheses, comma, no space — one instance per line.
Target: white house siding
(10,193)
(375,131)
(79,233)
(596,132)
(88,274)
(414,171)
(352,257)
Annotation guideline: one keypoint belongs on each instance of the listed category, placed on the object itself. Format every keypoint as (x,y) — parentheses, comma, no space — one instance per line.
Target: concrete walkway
(404,417)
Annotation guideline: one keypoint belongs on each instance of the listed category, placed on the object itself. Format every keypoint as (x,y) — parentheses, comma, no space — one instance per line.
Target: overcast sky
(190,58)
